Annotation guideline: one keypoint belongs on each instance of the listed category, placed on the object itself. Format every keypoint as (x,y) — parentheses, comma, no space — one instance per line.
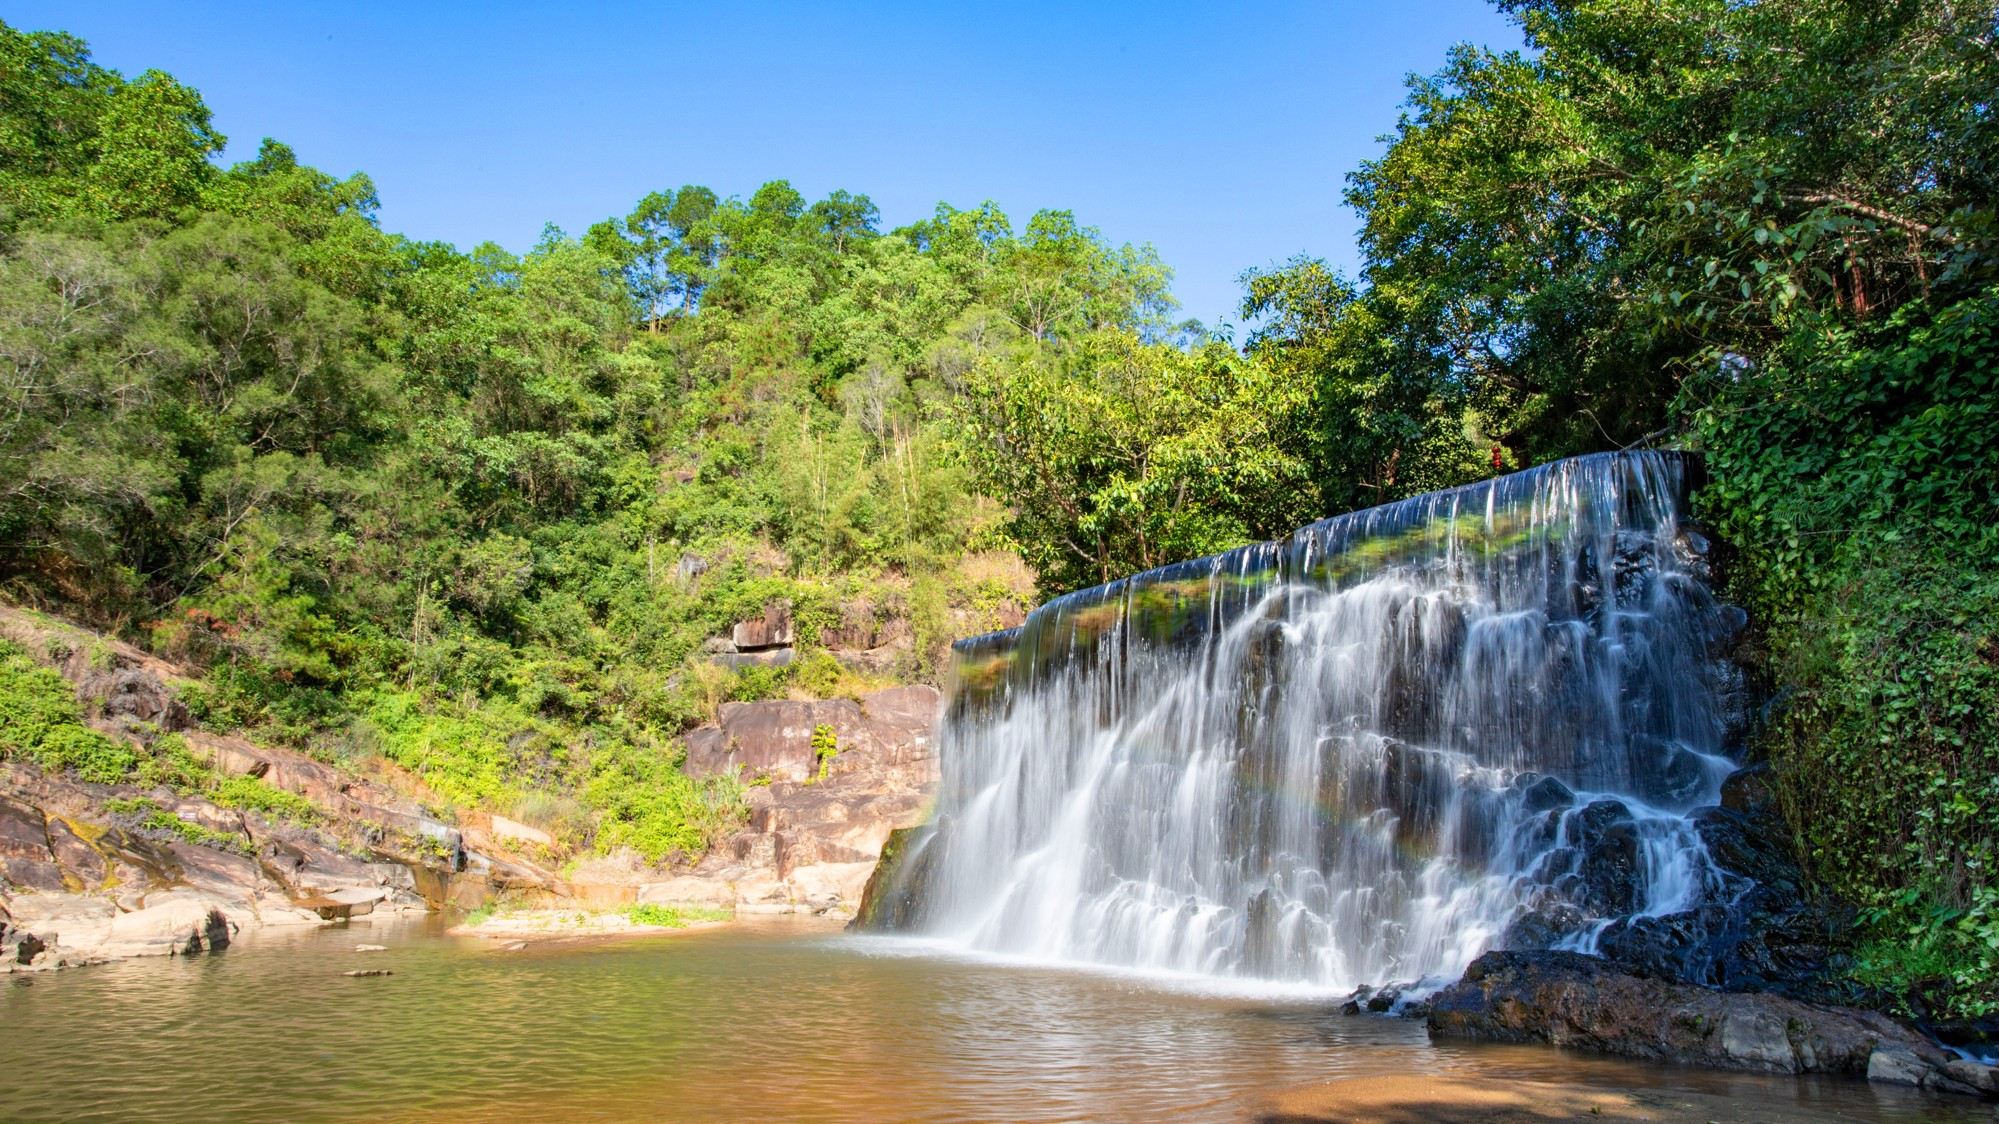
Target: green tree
(1118,455)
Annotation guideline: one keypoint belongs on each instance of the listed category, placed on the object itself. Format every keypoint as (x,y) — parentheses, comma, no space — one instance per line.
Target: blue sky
(1219,133)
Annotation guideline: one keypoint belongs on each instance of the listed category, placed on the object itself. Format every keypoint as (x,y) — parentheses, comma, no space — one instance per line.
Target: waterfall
(1368,752)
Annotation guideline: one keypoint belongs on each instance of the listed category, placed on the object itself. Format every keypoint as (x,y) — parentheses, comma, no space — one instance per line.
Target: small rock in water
(513,946)
(371,948)
(369,972)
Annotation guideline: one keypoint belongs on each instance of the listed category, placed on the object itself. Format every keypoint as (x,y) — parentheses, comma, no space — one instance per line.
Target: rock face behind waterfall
(1487,717)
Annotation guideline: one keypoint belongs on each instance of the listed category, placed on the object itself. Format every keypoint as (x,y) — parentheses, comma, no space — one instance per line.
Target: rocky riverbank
(91,872)
(1584,1003)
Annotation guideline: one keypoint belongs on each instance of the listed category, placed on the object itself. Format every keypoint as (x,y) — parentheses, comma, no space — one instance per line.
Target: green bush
(41,722)
(88,753)
(253,794)
(168,762)
(825,747)
(1856,475)
(189,832)
(673,917)
(33,700)
(460,754)
(649,805)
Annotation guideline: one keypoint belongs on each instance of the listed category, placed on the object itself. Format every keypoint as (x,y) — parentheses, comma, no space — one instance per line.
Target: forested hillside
(477,513)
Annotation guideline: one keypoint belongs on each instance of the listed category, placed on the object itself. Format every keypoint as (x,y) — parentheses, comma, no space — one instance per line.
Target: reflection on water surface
(775,1021)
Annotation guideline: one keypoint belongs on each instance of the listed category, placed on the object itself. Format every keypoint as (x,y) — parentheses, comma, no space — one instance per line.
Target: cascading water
(1369,752)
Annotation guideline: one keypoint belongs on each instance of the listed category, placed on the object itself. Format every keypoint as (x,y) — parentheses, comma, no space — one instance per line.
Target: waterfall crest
(1368,752)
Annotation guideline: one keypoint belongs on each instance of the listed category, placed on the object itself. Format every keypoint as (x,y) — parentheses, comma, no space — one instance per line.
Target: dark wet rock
(1415,680)
(1726,625)
(1388,999)
(1582,1003)
(1546,919)
(1416,785)
(1545,794)
(900,885)
(18,946)
(1604,839)
(212,935)
(1762,931)
(1635,566)
(1670,775)
(1748,790)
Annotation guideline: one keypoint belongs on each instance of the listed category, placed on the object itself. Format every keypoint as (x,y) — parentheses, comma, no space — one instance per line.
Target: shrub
(41,722)
(652,807)
(253,794)
(825,747)
(168,762)
(673,917)
(88,753)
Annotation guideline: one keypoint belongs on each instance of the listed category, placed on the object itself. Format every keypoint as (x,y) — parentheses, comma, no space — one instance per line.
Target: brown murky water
(778,1021)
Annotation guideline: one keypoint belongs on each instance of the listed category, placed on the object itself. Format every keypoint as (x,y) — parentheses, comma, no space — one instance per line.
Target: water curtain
(1365,753)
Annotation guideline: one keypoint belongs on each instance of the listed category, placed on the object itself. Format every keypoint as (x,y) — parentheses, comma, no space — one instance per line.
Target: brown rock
(772,630)
(25,858)
(230,878)
(1580,1002)
(83,865)
(129,696)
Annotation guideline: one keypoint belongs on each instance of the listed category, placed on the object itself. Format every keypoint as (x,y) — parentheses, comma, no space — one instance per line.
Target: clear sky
(1218,132)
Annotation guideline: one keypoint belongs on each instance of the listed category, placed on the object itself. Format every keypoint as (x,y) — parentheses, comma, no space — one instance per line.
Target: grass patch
(674,917)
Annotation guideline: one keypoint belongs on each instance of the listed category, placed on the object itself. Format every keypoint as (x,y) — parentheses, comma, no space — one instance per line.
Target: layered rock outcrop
(829,781)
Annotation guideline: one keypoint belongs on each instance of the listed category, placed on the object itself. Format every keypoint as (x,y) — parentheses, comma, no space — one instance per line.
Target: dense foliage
(1859,476)
(477,512)
(1768,229)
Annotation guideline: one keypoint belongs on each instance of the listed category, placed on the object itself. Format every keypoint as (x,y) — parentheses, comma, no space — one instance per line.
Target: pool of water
(771,1021)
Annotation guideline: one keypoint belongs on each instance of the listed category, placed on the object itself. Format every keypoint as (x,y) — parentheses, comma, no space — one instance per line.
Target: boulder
(1584,1003)
(1748,790)
(1608,877)
(131,697)
(890,733)
(772,630)
(688,890)
(770,739)
(825,887)
(222,876)
(181,923)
